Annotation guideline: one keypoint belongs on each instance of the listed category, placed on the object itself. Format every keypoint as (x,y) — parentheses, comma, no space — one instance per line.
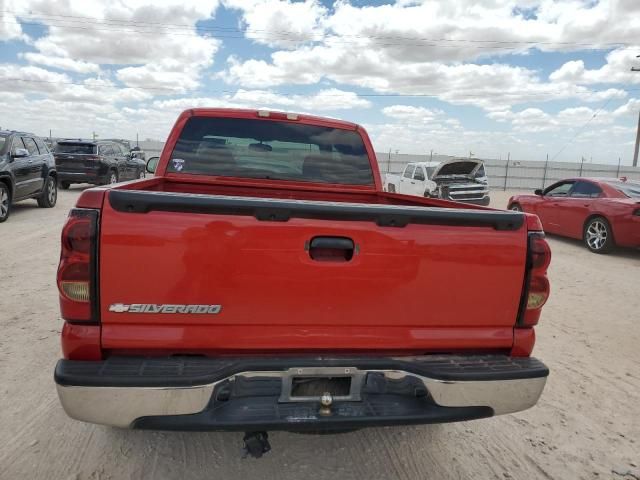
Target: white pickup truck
(460,180)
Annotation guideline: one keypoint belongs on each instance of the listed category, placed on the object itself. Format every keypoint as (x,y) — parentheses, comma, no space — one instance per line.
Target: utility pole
(581,164)
(635,152)
(544,175)
(506,173)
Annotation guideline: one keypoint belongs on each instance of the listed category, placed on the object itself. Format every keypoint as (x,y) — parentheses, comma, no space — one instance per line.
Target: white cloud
(158,39)
(10,28)
(430,47)
(535,120)
(323,100)
(60,87)
(632,107)
(280,23)
(409,113)
(617,69)
(61,63)
(494,86)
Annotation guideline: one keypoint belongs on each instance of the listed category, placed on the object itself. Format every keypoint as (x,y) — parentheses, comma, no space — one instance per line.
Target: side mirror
(20,153)
(152,164)
(538,191)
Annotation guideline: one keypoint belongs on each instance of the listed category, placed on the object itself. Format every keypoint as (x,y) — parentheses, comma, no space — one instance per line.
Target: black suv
(27,170)
(97,162)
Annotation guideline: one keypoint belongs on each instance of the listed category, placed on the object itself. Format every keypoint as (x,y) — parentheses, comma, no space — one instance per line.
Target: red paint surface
(425,276)
(230,339)
(523,341)
(81,342)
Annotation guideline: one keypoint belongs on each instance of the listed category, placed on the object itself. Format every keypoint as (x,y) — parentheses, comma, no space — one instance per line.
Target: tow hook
(256,444)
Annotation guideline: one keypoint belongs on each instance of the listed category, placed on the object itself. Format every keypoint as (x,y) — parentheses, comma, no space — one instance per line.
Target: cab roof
(272,114)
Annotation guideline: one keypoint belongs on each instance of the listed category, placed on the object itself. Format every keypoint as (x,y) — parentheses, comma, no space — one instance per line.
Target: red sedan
(603,212)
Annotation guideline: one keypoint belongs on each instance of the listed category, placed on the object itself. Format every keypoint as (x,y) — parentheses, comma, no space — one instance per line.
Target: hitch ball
(325,404)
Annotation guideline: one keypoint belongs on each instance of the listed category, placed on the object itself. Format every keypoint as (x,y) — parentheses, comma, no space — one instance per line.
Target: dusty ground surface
(587,424)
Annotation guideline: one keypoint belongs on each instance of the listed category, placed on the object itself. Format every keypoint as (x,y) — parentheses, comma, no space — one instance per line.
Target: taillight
(77,268)
(536,288)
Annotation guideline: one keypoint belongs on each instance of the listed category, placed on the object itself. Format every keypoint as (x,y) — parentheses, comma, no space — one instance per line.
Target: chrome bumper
(122,406)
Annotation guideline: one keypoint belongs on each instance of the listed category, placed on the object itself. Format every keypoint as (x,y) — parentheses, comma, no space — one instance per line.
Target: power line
(8,79)
(287,94)
(191,28)
(331,40)
(581,129)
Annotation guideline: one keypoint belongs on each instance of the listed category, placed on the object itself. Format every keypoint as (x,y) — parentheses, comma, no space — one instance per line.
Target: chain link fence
(503,174)
(517,174)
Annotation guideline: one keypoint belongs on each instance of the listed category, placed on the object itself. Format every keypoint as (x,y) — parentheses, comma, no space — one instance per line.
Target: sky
(525,78)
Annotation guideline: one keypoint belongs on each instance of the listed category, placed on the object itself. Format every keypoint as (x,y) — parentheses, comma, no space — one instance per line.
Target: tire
(49,195)
(391,188)
(5,202)
(516,207)
(65,185)
(598,236)
(113,177)
(142,174)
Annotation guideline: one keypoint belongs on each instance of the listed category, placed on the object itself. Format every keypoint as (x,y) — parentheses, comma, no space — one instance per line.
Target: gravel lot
(587,424)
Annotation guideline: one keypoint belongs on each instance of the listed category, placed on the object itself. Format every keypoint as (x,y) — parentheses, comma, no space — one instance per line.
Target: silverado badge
(164,308)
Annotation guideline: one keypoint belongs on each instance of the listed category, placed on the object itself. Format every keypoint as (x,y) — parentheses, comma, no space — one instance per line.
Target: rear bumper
(82,177)
(248,394)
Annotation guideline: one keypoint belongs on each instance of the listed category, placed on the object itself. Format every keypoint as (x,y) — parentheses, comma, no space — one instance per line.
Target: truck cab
(416,179)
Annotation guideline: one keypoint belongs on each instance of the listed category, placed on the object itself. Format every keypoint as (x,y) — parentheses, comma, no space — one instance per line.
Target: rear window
(270,149)
(585,190)
(630,189)
(68,147)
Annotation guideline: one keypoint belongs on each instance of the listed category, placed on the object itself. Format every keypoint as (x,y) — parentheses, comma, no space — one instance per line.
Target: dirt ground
(587,424)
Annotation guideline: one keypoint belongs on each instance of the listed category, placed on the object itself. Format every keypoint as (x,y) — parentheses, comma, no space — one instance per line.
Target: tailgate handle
(331,249)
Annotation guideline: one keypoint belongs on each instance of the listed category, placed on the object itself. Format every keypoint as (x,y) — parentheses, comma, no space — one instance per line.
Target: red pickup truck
(262,280)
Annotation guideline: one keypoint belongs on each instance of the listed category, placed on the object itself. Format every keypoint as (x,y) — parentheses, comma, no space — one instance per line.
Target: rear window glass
(630,189)
(67,147)
(270,149)
(585,190)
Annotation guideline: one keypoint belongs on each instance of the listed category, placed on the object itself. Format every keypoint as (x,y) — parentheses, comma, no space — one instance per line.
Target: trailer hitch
(256,444)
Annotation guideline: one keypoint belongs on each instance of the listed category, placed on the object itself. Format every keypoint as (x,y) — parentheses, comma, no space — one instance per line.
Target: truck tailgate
(420,279)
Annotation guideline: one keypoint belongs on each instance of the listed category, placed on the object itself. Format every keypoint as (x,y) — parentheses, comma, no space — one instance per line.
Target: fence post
(544,175)
(506,173)
(618,171)
(581,164)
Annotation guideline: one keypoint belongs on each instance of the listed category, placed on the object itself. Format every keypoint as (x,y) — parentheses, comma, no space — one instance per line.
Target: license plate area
(309,384)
